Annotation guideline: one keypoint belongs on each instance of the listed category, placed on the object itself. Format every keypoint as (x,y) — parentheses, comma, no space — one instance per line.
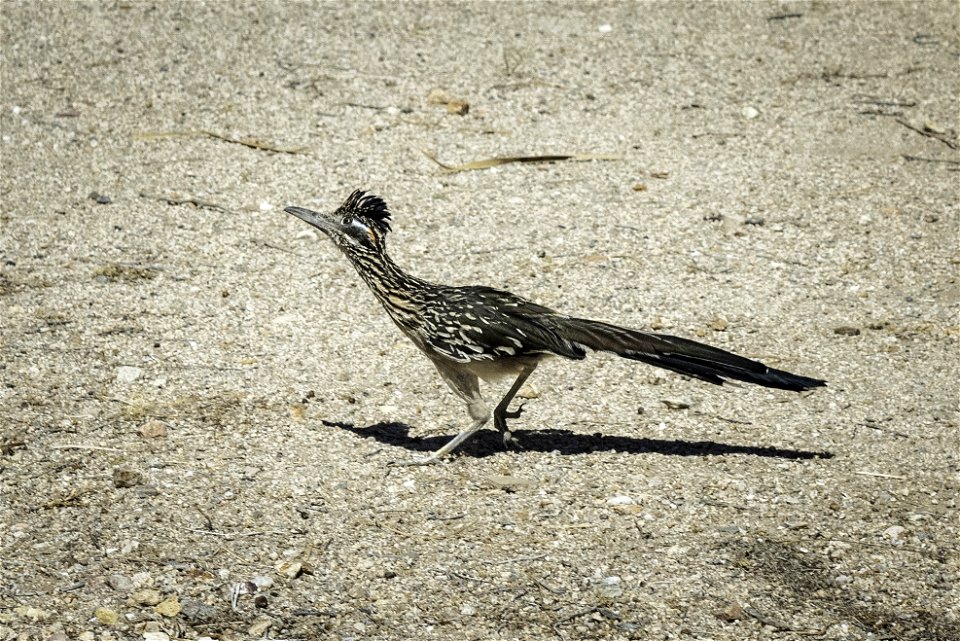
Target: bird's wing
(481,323)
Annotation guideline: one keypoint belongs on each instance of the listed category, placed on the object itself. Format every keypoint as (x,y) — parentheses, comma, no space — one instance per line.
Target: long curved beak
(318,220)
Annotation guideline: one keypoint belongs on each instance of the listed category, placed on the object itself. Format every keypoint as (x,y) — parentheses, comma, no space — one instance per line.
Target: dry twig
(252,143)
(930,133)
(486,163)
(880,475)
(196,202)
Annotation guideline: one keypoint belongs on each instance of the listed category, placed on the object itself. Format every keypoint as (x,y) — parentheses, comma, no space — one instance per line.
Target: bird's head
(359,225)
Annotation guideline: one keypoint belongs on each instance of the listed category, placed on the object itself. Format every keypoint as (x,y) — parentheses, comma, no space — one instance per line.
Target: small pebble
(528,392)
(733,612)
(106,616)
(732,224)
(610,587)
(260,627)
(123,477)
(168,607)
(31,613)
(196,611)
(719,324)
(438,97)
(147,596)
(152,429)
(290,569)
(845,330)
(120,583)
(262,582)
(509,483)
(100,199)
(128,374)
(458,107)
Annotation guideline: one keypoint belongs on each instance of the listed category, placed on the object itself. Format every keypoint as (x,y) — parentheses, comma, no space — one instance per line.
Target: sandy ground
(200,398)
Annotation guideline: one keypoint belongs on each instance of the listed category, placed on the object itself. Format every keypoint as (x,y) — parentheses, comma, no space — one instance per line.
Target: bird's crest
(368,206)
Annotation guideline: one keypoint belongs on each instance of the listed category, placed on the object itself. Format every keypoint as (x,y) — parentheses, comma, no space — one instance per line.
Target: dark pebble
(843,330)
(100,199)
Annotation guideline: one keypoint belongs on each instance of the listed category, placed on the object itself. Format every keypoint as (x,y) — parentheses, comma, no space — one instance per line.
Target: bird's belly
(495,370)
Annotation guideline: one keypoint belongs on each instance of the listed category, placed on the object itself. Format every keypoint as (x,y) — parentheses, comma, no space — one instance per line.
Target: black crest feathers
(368,206)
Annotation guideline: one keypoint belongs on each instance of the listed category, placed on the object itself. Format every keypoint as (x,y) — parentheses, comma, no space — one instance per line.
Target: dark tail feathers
(681,355)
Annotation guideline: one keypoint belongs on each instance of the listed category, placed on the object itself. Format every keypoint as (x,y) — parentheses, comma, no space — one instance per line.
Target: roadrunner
(476,332)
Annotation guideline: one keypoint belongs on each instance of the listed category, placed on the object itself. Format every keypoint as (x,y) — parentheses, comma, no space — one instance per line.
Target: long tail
(680,355)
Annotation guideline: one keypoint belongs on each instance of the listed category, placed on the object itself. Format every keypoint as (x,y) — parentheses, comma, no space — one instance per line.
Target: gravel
(200,401)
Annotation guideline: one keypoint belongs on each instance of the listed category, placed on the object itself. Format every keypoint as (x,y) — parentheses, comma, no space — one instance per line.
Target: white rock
(620,499)
(749,112)
(141,579)
(120,583)
(610,586)
(259,627)
(127,374)
(894,532)
(291,318)
(262,582)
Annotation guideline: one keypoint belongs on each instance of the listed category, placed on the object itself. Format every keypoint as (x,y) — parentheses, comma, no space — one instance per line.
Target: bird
(476,332)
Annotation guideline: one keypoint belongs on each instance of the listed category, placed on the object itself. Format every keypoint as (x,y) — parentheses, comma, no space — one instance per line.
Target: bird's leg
(501,413)
(480,414)
(467,387)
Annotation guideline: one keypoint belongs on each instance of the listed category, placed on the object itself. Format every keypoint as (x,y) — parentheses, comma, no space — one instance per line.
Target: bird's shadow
(488,442)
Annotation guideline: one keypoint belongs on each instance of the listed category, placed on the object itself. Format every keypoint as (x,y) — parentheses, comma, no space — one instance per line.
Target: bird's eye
(347,221)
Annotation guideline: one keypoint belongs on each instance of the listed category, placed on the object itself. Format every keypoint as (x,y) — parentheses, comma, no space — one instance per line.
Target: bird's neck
(387,280)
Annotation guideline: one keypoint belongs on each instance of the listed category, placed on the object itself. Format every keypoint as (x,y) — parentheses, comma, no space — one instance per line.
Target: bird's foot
(500,417)
(515,413)
(510,441)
